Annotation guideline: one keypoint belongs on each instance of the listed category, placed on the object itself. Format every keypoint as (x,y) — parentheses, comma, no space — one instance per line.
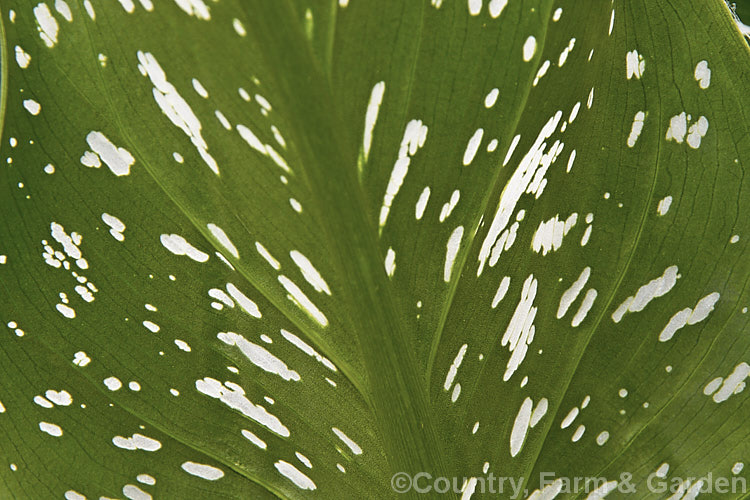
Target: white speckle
(150,325)
(182,345)
(371,116)
(501,291)
(556,15)
(677,128)
(178,157)
(150,307)
(539,412)
(51,429)
(89,9)
(239,27)
(583,310)
(172,103)
(473,146)
(541,72)
(662,470)
(549,235)
(492,145)
(254,439)
(220,235)
(574,112)
(611,22)
(91,160)
(62,398)
(267,256)
(390,262)
(203,471)
(734,239)
(496,7)
(73,495)
(259,356)
(590,100)
(737,468)
(450,205)
(195,8)
(578,433)
(174,392)
(347,441)
(43,402)
(263,102)
(645,294)
(294,475)
(529,47)
(491,98)
(133,492)
(702,74)
(243,94)
(146,479)
(179,246)
(32,106)
(296,206)
(571,159)
(422,203)
(309,272)
(456,393)
(635,129)
(46,25)
(22,58)
(689,316)
(49,169)
(233,396)
(623,393)
(696,132)
(712,386)
(134,386)
(520,331)
(81,359)
(119,160)
(572,414)
(199,89)
(116,226)
(302,301)
(245,303)
(511,148)
(414,138)
(733,384)
(475,7)
(520,427)
(664,205)
(113,383)
(66,311)
(223,120)
(128,5)
(602,438)
(452,247)
(453,370)
(3,259)
(635,65)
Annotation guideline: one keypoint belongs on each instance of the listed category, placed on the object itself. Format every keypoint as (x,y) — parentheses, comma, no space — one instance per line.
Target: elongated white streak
(571,159)
(292,473)
(233,396)
(46,24)
(645,294)
(516,186)
(452,247)
(220,235)
(390,262)
(520,331)
(196,8)
(259,356)
(137,442)
(422,203)
(301,300)
(179,246)
(53,430)
(502,289)
(549,235)
(414,138)
(349,442)
(569,418)
(174,106)
(554,488)
(689,316)
(118,160)
(450,205)
(511,148)
(309,272)
(267,256)
(663,207)
(529,48)
(539,411)
(541,72)
(254,439)
(520,427)
(722,389)
(453,370)
(116,226)
(473,146)
(245,303)
(585,307)
(371,116)
(491,98)
(203,471)
(307,349)
(634,65)
(635,129)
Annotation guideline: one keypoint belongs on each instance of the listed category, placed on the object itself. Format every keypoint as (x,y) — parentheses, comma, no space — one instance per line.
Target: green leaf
(290,249)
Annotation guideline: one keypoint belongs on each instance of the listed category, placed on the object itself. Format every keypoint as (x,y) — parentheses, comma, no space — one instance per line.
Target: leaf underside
(290,248)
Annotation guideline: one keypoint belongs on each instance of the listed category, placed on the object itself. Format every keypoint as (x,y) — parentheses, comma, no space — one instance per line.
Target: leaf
(290,249)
